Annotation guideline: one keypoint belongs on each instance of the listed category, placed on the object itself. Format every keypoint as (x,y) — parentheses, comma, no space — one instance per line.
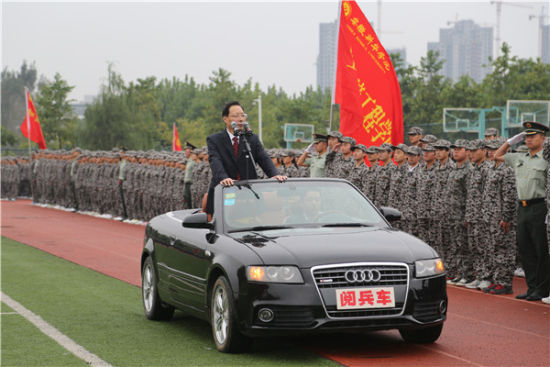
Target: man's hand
(337,147)
(227,182)
(516,138)
(310,148)
(280,178)
(505,226)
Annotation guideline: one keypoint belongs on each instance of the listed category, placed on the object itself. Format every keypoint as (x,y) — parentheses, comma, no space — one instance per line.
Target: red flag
(176,144)
(30,127)
(367,88)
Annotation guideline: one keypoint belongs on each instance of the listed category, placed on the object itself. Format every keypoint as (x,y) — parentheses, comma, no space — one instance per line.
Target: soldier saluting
(531,169)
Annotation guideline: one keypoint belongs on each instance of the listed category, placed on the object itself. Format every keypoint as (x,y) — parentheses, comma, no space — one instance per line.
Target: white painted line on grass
(9,313)
(53,333)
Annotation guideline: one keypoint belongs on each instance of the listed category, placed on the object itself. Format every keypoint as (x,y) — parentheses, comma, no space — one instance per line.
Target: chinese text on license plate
(351,298)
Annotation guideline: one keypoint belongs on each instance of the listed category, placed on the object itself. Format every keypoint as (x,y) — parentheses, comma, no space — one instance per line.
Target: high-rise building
(326,61)
(546,44)
(466,49)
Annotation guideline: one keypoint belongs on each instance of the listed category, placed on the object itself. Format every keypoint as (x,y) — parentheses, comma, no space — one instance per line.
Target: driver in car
(309,210)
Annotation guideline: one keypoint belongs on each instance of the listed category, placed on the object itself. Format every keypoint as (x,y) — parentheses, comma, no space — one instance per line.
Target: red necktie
(236,145)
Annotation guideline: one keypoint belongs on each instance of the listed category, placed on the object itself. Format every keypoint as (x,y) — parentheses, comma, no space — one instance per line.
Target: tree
(13,94)
(55,113)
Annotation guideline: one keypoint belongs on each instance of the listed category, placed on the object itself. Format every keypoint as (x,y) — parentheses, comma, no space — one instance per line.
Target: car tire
(421,336)
(153,307)
(225,332)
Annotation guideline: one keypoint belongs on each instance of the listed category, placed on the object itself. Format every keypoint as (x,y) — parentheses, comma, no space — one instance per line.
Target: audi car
(301,256)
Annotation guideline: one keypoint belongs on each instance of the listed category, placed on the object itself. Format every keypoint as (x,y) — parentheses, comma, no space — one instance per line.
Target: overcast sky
(270,42)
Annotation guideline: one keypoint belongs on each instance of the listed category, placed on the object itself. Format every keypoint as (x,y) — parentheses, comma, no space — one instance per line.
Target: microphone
(236,130)
(247,129)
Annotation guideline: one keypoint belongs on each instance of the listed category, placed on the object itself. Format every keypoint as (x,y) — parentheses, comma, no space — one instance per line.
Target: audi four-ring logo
(363,275)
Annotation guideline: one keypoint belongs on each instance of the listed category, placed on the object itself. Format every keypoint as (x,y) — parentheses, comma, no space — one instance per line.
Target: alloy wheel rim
(221,315)
(147,287)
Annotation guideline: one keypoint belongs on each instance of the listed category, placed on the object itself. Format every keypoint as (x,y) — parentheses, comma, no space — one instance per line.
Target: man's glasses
(240,115)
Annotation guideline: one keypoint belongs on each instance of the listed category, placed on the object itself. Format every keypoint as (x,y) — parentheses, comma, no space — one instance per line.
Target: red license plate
(355,298)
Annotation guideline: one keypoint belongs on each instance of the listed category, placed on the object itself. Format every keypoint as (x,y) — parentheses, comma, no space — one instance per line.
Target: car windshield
(270,205)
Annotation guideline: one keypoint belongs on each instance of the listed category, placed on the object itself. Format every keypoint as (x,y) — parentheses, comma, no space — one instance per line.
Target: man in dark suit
(228,156)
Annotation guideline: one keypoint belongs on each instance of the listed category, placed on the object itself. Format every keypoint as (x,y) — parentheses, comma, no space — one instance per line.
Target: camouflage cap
(360,146)
(491,132)
(522,149)
(475,144)
(460,143)
(335,134)
(533,127)
(429,139)
(196,151)
(415,130)
(385,147)
(348,139)
(372,150)
(492,144)
(414,150)
(442,144)
(429,148)
(401,146)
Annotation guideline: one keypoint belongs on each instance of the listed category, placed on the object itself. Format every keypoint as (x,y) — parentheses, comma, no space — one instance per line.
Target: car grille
(427,311)
(333,276)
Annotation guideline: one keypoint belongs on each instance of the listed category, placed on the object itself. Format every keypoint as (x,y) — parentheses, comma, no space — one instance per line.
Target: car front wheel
(222,317)
(153,306)
(421,336)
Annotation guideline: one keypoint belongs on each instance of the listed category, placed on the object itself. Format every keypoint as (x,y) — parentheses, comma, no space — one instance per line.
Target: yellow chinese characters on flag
(367,88)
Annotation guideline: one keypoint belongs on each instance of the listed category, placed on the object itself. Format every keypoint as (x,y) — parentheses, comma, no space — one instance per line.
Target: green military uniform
(531,170)
(317,165)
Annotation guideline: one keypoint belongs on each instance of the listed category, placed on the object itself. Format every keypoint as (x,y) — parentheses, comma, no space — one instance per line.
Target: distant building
(546,44)
(466,49)
(326,61)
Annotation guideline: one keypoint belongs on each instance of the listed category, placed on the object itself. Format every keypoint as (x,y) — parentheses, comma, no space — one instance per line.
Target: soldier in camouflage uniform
(425,194)
(369,179)
(334,144)
(455,204)
(340,163)
(289,168)
(491,134)
(415,134)
(397,179)
(499,211)
(360,168)
(410,192)
(383,175)
(442,227)
(473,266)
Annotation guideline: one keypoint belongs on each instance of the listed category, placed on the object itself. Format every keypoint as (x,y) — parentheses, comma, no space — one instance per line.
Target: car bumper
(299,308)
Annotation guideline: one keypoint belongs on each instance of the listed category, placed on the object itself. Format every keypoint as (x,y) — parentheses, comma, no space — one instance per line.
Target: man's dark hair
(225,111)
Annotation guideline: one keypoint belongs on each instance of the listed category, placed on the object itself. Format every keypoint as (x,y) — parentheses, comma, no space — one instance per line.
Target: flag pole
(335,67)
(28,121)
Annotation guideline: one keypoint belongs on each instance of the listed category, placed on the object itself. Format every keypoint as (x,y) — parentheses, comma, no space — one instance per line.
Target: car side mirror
(391,214)
(197,220)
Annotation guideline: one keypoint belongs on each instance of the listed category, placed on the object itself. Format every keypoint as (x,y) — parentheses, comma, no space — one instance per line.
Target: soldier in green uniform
(316,163)
(531,169)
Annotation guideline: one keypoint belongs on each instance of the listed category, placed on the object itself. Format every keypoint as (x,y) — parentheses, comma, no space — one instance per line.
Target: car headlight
(426,268)
(274,274)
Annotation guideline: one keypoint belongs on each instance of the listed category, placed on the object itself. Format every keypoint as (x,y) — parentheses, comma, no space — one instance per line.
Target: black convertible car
(305,255)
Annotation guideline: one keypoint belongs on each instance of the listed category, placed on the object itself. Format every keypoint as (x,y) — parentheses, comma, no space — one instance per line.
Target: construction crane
(499,4)
(542,16)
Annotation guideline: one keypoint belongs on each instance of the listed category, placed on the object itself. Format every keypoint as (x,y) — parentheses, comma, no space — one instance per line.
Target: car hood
(309,247)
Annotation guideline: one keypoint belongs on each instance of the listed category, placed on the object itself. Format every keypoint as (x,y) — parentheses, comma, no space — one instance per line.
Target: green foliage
(55,113)
(13,94)
(8,137)
(140,114)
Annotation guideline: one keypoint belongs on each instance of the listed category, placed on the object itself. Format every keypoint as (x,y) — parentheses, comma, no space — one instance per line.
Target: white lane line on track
(434,349)
(55,334)
(477,291)
(501,326)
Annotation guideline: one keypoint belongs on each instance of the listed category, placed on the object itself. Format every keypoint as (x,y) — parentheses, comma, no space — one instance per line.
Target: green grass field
(105,316)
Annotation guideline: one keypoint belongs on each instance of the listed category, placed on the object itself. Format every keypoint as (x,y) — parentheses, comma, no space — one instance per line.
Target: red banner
(176,144)
(367,88)
(30,127)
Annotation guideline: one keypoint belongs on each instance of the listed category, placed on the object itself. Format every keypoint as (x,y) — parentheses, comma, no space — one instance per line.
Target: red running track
(481,329)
